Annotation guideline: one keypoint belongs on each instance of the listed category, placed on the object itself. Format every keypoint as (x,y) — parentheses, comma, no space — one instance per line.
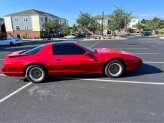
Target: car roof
(65,42)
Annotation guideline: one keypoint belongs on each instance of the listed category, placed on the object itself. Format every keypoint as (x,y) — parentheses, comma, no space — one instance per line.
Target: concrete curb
(161,37)
(61,39)
(103,39)
(56,39)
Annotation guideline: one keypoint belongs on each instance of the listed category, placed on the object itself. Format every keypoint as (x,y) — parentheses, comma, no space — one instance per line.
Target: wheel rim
(36,74)
(115,69)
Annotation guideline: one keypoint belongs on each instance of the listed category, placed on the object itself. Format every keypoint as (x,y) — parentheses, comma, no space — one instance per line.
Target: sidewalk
(54,39)
(92,39)
(161,37)
(84,39)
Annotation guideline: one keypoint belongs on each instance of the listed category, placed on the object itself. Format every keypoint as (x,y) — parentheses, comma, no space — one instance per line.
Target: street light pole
(102,23)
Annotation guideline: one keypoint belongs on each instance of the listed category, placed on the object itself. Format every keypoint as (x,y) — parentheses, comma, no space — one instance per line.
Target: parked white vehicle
(70,37)
(10,41)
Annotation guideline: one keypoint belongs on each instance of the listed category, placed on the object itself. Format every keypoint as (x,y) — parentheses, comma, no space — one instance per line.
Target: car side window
(4,39)
(67,49)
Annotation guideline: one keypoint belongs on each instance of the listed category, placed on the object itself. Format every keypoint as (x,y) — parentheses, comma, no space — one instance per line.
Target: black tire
(114,69)
(11,44)
(19,44)
(35,73)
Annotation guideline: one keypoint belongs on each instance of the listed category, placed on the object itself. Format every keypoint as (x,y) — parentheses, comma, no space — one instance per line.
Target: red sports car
(68,58)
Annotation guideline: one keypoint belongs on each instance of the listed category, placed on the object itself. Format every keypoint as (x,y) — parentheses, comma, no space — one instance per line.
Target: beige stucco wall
(35,23)
(8,24)
(133,23)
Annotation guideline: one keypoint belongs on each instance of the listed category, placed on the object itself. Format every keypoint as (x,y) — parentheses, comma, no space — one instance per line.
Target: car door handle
(58,59)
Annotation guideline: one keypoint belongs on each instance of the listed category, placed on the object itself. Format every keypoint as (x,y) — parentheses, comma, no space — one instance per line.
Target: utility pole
(102,23)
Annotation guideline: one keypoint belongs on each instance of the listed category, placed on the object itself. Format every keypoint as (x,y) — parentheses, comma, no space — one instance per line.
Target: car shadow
(73,77)
(143,70)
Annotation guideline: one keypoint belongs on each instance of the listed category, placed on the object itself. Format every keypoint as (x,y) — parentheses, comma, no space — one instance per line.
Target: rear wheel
(114,69)
(35,73)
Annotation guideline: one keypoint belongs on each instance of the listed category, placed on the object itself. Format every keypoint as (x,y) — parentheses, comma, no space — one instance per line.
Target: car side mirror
(91,55)
(88,53)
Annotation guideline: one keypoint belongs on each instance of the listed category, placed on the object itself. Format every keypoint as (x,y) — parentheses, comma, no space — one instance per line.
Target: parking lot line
(146,53)
(122,81)
(151,62)
(96,43)
(131,48)
(2,75)
(15,92)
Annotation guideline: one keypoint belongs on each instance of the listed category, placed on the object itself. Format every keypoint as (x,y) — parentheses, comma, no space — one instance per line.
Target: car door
(1,42)
(71,59)
(10,40)
(4,41)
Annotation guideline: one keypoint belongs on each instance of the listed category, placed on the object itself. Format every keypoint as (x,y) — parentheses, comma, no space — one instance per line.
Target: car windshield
(88,48)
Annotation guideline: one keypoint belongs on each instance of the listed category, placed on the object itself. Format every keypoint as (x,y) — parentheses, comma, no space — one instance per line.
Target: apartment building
(28,24)
(133,22)
(106,18)
(103,19)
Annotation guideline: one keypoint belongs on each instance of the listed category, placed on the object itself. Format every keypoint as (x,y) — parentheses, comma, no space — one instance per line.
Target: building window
(46,19)
(26,27)
(25,19)
(57,21)
(133,21)
(42,18)
(27,35)
(16,19)
(133,26)
(17,27)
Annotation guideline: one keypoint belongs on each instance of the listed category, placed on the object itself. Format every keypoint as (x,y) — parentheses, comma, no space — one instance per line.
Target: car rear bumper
(9,72)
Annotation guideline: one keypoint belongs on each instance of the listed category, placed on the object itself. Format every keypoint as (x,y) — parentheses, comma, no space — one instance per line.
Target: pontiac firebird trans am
(68,58)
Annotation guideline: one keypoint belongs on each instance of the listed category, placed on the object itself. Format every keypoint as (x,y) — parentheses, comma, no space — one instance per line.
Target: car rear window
(32,51)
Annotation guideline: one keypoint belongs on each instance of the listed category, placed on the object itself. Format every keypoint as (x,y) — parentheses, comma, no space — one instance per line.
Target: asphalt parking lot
(136,97)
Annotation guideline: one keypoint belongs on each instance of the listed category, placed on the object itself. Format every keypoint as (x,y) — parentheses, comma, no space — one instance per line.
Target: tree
(119,19)
(74,29)
(65,30)
(154,24)
(51,29)
(50,26)
(144,21)
(87,22)
(100,27)
(161,25)
(140,26)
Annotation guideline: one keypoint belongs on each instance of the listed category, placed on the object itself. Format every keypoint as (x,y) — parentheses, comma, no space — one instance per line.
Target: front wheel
(35,73)
(114,69)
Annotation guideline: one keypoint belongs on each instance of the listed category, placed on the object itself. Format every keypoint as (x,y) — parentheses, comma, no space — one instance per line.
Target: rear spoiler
(16,54)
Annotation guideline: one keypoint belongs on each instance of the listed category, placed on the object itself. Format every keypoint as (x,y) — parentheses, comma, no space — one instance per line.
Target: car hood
(107,50)
(111,52)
